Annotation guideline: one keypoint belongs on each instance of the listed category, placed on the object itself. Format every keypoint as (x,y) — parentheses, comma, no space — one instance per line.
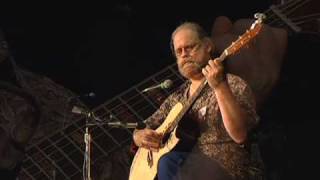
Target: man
(214,133)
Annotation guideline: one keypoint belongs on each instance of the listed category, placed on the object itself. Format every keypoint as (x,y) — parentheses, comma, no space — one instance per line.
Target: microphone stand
(87,140)
(87,136)
(87,154)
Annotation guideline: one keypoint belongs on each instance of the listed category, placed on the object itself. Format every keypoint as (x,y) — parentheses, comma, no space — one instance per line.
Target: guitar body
(145,162)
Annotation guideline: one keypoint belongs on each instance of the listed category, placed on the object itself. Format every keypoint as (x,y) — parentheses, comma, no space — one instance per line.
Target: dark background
(104,48)
(108,48)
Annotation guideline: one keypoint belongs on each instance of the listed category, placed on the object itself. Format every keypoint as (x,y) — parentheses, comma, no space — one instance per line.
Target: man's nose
(184,52)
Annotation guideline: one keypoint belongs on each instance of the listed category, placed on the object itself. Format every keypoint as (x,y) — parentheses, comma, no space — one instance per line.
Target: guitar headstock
(247,36)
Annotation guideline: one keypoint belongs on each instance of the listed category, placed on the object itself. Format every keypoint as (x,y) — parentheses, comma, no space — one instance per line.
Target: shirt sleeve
(156,119)
(245,97)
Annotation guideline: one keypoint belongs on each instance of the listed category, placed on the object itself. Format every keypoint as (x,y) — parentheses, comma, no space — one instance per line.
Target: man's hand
(259,64)
(147,138)
(214,73)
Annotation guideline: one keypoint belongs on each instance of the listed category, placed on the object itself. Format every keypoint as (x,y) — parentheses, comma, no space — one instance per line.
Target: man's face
(191,53)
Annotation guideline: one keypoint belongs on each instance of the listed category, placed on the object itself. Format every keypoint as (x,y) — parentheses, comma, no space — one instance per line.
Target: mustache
(193,62)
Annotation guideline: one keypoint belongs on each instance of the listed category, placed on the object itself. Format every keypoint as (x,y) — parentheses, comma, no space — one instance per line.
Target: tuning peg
(260,16)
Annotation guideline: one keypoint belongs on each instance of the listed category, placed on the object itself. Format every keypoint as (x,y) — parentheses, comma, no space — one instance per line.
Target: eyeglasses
(187,49)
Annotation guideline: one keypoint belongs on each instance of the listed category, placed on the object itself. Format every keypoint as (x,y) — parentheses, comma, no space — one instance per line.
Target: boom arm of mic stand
(137,125)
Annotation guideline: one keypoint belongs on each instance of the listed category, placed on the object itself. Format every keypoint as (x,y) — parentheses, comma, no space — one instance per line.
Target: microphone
(164,85)
(82,111)
(90,94)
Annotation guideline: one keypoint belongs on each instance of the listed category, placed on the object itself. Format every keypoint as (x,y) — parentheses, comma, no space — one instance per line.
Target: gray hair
(201,33)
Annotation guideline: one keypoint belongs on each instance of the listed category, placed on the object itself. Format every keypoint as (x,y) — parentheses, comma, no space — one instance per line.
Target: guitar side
(145,163)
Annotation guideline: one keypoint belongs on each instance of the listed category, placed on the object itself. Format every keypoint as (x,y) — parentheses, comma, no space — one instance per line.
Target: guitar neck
(197,92)
(189,103)
(223,56)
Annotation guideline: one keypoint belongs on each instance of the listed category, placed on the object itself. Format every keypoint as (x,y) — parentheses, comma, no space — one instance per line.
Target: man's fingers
(154,144)
(218,63)
(150,145)
(211,63)
(204,72)
(153,134)
(152,139)
(208,68)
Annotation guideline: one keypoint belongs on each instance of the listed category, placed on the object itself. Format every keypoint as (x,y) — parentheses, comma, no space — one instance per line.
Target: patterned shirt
(213,141)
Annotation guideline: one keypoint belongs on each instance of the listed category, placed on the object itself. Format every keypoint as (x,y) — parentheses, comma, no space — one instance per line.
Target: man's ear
(209,45)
